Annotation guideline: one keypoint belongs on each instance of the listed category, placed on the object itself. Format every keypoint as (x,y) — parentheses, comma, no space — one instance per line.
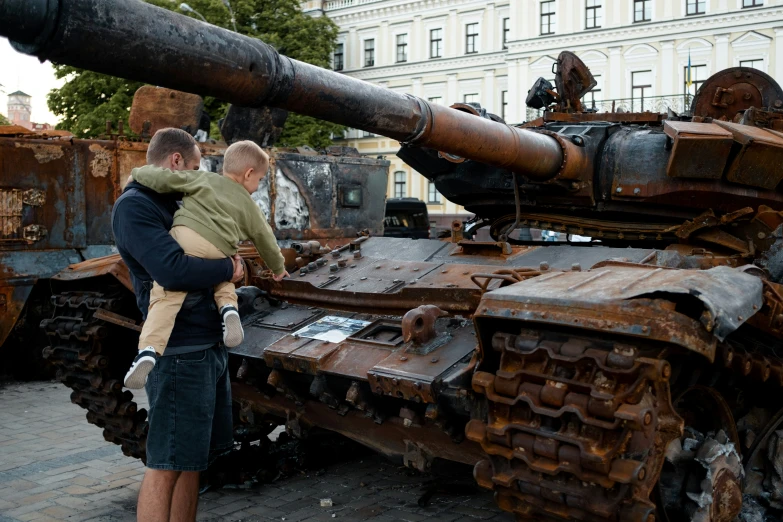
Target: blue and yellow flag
(688,78)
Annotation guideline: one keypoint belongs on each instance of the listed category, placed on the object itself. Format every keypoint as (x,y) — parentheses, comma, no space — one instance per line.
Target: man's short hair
(243,155)
(166,142)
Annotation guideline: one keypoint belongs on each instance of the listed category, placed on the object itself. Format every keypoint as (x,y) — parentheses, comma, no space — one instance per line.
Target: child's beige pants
(165,304)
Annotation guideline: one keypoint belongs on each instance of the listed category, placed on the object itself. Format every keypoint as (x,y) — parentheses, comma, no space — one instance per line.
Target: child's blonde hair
(244,155)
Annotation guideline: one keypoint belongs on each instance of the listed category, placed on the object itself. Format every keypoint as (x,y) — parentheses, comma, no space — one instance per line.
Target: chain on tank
(86,363)
(577,428)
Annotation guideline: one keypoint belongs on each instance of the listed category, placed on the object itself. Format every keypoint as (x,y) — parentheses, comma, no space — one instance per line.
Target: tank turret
(623,178)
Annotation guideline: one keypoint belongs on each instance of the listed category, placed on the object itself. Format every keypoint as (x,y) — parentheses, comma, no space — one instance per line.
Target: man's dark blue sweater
(141,220)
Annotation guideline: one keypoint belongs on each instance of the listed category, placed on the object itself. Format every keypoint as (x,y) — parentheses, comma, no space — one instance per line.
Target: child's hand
(280,277)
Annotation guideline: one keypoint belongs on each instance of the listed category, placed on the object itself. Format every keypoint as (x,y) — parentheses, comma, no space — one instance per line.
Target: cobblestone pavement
(56,466)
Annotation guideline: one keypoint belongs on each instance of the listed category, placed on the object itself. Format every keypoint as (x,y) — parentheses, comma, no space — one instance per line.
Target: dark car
(406,217)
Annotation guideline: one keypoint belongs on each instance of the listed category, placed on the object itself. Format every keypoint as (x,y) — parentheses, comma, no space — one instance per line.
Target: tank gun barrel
(141,42)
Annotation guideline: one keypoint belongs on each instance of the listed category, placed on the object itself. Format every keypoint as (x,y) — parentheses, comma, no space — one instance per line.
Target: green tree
(4,120)
(87,99)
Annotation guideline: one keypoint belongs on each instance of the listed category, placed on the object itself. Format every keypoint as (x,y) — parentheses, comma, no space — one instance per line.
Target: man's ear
(176,159)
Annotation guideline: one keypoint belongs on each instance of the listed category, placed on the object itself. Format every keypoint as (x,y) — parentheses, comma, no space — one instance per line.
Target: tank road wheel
(702,477)
(576,428)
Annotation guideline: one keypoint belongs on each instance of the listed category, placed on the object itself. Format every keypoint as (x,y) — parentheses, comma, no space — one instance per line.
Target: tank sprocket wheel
(576,427)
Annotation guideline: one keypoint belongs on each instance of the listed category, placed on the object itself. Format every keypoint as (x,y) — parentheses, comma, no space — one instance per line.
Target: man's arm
(139,229)
(164,180)
(263,238)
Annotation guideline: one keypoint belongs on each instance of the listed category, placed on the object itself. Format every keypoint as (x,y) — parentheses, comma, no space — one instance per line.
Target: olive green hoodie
(218,208)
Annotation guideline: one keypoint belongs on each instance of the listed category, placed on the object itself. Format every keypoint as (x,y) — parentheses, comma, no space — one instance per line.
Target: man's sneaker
(233,334)
(142,366)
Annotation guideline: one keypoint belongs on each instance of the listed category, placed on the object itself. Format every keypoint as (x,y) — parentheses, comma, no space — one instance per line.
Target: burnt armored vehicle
(633,378)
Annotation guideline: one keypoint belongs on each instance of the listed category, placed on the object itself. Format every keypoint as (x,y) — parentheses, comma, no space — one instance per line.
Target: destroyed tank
(633,378)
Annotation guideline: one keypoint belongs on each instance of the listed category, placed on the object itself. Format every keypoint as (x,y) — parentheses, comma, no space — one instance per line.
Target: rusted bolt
(644,329)
(647,418)
(377,267)
(619,189)
(543,266)
(335,254)
(755,307)
(667,371)
(443,271)
(576,267)
(357,255)
(333,267)
(637,190)
(303,272)
(396,268)
(312,267)
(434,360)
(746,96)
(403,358)
(342,263)
(761,235)
(642,474)
(320,261)
(739,318)
(362,278)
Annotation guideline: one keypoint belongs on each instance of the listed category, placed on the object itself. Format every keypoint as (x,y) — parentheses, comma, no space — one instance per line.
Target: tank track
(94,369)
(576,428)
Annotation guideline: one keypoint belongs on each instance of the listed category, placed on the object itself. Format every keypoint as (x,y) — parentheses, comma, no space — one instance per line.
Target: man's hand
(280,277)
(239,269)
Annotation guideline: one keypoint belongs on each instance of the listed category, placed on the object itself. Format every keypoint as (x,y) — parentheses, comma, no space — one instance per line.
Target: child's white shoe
(142,366)
(233,334)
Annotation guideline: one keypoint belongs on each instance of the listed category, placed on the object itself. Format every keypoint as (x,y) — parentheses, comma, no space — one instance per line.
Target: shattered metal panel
(729,295)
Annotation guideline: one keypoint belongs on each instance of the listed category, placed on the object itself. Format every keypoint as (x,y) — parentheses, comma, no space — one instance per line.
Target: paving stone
(77,476)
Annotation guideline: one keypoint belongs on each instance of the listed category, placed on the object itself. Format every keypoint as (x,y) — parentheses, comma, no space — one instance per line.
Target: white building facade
(448,51)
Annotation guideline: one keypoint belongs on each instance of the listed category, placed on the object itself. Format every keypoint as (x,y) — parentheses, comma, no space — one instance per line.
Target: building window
(433,196)
(471,38)
(369,52)
(471,98)
(698,75)
(642,10)
(436,43)
(548,17)
(437,100)
(592,98)
(593,14)
(367,134)
(752,3)
(402,48)
(641,88)
(503,104)
(756,64)
(338,57)
(399,184)
(695,7)
(506,32)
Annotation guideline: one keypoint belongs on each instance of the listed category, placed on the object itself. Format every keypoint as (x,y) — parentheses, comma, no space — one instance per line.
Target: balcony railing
(331,5)
(679,103)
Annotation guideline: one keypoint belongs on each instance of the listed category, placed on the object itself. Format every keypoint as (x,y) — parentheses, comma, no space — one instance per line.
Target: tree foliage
(87,99)
(4,120)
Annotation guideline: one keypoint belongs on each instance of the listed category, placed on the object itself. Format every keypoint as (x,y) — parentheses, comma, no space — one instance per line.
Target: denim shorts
(190,420)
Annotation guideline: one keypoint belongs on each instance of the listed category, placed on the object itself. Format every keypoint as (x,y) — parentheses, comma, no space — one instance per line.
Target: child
(216,213)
